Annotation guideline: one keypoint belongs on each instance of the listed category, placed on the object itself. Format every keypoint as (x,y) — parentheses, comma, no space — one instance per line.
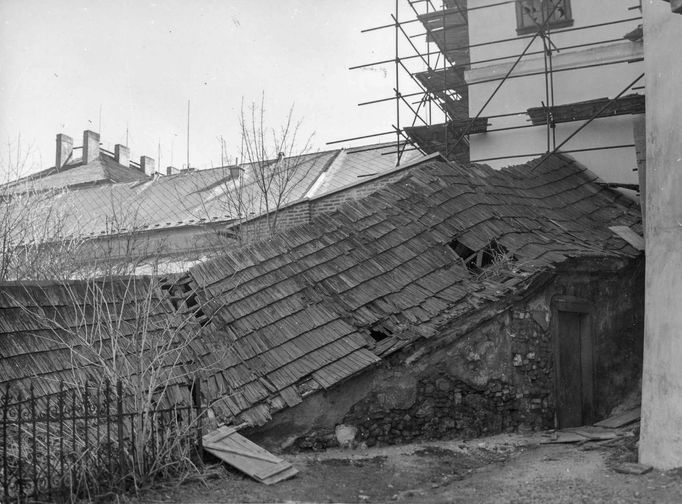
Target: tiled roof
(192,197)
(295,313)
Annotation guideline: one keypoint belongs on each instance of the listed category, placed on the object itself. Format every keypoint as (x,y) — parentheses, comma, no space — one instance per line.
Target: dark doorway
(574,365)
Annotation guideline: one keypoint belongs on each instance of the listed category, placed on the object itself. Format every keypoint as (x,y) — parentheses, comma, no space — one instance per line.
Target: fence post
(48,460)
(5,482)
(61,435)
(119,425)
(98,420)
(74,429)
(107,402)
(200,441)
(33,441)
(20,458)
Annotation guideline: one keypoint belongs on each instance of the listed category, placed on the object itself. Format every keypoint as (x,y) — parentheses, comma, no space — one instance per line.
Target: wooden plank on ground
(633,468)
(621,420)
(233,448)
(560,437)
(596,435)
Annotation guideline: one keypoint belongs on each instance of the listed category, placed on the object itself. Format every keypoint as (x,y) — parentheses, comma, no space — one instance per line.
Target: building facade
(538,90)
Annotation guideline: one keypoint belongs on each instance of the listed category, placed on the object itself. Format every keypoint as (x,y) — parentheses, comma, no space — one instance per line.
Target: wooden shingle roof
(299,309)
(325,301)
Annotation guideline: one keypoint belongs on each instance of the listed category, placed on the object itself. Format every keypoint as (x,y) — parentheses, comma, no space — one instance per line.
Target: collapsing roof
(325,301)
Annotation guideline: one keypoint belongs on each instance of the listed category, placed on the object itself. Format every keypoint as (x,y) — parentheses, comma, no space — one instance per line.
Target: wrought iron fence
(82,443)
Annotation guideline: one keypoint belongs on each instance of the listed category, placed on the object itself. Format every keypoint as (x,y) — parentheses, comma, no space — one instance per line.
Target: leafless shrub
(135,332)
(273,163)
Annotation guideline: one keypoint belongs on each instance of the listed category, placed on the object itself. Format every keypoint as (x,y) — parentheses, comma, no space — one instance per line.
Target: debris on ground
(507,468)
(616,421)
(632,468)
(237,451)
(584,434)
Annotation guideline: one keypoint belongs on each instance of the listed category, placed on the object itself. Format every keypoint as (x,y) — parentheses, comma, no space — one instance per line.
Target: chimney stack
(147,165)
(122,154)
(90,146)
(64,150)
(235,172)
(171,170)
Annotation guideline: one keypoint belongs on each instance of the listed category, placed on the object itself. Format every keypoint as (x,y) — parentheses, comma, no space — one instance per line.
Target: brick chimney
(147,165)
(171,170)
(90,146)
(64,150)
(122,154)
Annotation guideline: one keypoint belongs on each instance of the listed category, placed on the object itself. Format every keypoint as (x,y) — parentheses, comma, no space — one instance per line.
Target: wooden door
(574,369)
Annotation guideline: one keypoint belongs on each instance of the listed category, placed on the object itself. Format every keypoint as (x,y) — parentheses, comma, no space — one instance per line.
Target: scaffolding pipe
(594,116)
(566,69)
(360,137)
(564,30)
(397,81)
(501,41)
(423,91)
(445,83)
(415,112)
(416,20)
(546,155)
(531,74)
(516,62)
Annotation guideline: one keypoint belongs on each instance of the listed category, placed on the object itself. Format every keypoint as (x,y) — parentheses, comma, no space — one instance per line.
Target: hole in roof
(195,392)
(182,294)
(494,253)
(378,333)
(460,249)
(198,313)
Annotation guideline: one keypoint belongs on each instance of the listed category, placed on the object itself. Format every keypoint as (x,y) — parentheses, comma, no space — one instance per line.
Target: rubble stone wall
(497,376)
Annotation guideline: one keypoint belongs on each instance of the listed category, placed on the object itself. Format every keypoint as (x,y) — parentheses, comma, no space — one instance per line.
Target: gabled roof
(103,170)
(354,165)
(191,197)
(294,314)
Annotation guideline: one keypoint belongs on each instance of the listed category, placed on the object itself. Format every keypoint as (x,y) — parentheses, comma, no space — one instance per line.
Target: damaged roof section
(266,324)
(322,302)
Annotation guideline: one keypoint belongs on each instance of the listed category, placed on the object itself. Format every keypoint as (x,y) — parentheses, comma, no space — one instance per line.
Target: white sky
(140,61)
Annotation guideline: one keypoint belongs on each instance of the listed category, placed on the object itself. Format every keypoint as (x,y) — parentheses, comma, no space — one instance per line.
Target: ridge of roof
(103,169)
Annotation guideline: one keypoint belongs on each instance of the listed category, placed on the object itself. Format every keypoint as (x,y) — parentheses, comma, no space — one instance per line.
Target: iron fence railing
(82,443)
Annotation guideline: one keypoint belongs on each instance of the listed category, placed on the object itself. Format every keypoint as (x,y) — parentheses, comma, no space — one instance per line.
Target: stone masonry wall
(470,399)
(498,376)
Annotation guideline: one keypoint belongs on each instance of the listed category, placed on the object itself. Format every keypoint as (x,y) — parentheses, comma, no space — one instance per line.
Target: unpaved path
(499,469)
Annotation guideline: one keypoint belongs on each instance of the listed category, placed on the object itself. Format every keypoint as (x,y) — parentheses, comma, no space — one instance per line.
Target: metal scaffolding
(433,113)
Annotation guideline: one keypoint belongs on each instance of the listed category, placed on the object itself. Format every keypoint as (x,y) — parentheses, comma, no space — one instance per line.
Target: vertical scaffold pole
(397,85)
(445,84)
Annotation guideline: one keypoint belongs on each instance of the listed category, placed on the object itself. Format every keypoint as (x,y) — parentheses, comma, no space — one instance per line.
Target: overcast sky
(140,61)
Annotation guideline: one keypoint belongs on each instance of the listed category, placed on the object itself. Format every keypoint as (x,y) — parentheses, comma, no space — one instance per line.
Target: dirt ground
(499,469)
